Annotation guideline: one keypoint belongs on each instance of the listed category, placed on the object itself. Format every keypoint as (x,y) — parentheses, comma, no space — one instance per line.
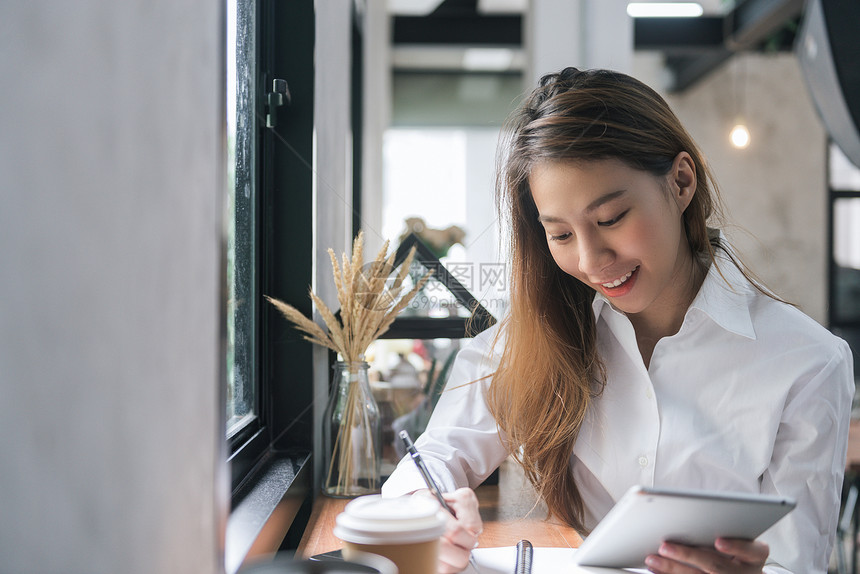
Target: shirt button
(643,461)
(649,394)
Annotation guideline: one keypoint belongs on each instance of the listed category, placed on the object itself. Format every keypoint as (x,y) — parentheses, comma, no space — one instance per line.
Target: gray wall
(110,195)
(775,190)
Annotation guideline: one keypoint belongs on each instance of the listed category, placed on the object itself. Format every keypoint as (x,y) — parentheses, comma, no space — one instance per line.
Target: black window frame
(846,328)
(271,459)
(282,427)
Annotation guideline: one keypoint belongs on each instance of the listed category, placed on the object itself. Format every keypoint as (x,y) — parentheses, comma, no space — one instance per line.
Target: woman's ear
(683,180)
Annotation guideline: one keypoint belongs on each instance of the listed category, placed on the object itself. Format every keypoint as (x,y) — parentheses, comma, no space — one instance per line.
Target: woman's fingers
(452,557)
(461,532)
(735,556)
(748,551)
(464,503)
(661,565)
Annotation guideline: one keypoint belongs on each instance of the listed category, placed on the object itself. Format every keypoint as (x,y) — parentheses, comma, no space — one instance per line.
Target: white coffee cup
(406,530)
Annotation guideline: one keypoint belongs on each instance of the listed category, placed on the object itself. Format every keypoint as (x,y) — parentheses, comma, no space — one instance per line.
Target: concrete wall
(332,165)
(775,190)
(111,424)
(376,115)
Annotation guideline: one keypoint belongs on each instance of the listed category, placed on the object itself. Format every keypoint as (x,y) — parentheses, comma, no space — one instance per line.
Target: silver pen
(425,474)
(428,480)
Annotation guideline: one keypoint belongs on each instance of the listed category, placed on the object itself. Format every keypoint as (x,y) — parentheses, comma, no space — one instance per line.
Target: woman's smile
(620,286)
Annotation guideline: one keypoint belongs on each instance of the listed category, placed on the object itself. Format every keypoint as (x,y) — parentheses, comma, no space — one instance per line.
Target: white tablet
(646,517)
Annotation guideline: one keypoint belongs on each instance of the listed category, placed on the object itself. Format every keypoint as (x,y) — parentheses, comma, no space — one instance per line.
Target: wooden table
(510,512)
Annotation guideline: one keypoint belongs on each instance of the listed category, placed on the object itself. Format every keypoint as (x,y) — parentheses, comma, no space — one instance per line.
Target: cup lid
(373,519)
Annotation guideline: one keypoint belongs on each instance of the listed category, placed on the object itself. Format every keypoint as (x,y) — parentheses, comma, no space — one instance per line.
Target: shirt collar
(723,297)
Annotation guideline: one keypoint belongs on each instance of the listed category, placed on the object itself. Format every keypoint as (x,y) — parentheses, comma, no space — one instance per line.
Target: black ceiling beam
(686,70)
(749,24)
(456,8)
(678,35)
(694,47)
(465,29)
(754,20)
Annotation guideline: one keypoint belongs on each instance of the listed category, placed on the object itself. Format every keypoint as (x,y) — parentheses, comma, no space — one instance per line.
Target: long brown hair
(550,370)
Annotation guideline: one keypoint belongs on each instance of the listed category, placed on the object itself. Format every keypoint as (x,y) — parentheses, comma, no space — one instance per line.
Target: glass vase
(352,434)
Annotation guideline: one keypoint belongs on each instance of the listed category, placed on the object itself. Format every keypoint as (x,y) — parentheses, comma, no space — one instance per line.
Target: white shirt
(750,395)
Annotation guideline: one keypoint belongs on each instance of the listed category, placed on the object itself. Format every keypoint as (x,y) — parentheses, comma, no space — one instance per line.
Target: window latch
(279,96)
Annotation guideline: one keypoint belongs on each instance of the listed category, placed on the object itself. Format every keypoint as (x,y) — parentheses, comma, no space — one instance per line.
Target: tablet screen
(646,517)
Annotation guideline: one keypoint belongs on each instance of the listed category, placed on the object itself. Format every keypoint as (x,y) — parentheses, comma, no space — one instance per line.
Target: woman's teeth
(618,281)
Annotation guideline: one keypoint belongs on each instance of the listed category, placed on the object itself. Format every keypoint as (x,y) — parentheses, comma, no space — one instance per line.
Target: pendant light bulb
(740,136)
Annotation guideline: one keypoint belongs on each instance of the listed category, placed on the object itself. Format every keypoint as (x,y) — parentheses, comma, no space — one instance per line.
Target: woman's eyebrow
(612,195)
(549,219)
(604,199)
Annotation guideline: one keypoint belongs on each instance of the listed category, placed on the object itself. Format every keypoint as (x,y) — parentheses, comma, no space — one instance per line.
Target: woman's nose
(594,256)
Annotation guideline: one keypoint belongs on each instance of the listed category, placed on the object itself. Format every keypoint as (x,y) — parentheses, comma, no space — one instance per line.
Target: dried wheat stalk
(368,307)
(368,304)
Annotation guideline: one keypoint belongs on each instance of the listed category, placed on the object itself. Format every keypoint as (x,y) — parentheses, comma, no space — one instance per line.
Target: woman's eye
(561,237)
(612,221)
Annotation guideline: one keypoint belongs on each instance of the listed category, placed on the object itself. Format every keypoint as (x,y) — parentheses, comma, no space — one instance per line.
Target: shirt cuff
(406,479)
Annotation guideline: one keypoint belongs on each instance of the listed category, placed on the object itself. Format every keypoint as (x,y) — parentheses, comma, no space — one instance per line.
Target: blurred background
(165,164)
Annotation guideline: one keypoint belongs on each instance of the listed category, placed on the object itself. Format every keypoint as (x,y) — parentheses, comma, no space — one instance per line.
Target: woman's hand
(461,533)
(730,555)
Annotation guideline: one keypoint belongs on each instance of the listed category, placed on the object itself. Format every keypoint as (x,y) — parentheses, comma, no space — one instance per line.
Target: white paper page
(502,560)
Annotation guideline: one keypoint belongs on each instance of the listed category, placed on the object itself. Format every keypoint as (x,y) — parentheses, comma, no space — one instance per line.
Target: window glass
(424,176)
(846,232)
(438,184)
(407,377)
(844,175)
(240,213)
(846,255)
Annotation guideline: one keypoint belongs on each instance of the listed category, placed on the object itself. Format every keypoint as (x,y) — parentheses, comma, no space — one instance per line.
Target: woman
(637,350)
